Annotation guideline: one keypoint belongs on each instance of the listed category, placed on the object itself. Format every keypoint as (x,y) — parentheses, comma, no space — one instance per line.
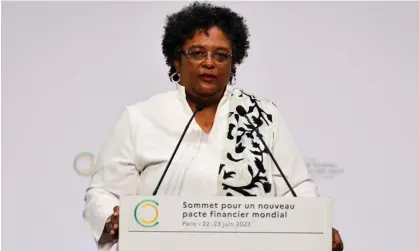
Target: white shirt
(137,151)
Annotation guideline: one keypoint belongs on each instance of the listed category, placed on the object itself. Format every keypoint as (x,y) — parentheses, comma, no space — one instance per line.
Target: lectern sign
(225,223)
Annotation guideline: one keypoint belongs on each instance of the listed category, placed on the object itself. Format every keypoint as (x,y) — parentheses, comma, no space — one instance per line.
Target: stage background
(345,75)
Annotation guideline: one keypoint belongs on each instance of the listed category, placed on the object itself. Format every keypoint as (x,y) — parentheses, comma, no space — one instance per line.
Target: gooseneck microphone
(242,112)
(199,108)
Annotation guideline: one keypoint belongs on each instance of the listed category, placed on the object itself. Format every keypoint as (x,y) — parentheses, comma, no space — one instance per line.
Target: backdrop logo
(84,164)
(146,213)
(322,169)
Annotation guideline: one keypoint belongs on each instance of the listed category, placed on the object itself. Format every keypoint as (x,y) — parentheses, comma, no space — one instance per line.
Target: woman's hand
(113,225)
(337,241)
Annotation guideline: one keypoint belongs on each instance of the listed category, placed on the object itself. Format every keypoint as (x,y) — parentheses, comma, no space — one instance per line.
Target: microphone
(242,112)
(199,107)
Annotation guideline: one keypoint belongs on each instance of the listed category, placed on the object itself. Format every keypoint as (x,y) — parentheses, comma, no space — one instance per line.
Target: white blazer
(135,155)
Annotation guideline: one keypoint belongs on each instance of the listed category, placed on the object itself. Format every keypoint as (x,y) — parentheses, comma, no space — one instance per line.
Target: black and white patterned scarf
(245,168)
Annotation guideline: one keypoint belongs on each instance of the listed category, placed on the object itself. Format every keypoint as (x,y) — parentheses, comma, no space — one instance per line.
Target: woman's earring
(175,77)
(233,81)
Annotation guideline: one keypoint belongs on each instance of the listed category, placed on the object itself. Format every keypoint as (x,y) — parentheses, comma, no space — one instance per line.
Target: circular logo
(146,213)
(84,164)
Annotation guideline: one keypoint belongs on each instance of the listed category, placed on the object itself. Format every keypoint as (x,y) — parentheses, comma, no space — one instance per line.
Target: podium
(225,224)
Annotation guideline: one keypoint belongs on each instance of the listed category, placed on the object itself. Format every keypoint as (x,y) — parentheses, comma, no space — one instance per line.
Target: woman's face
(205,65)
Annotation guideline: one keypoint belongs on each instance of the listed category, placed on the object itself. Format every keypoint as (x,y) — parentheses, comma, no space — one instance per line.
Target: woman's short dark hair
(182,25)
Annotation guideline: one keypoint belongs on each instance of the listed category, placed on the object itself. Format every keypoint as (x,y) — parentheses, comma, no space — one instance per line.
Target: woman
(220,153)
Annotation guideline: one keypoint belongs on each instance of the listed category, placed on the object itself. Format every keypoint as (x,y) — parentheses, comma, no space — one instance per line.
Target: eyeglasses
(199,56)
